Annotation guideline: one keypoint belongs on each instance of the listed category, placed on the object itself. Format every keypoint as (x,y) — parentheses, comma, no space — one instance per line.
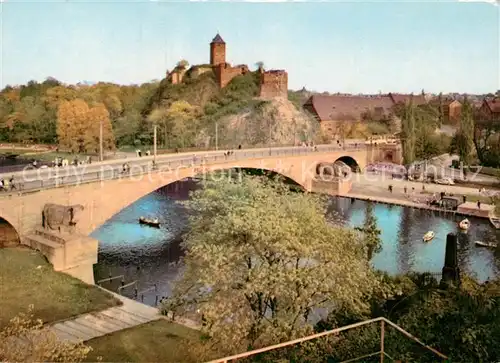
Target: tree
(486,139)
(465,134)
(25,339)
(259,65)
(441,109)
(94,117)
(178,123)
(182,64)
(78,126)
(260,259)
(408,131)
(371,231)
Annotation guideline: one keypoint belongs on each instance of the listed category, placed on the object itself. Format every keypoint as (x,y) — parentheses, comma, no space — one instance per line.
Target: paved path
(376,184)
(377,191)
(97,324)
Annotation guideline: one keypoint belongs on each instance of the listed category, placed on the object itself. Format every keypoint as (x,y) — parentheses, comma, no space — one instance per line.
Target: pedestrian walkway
(96,324)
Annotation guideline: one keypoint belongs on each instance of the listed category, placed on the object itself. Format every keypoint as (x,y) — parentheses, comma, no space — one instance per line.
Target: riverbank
(416,195)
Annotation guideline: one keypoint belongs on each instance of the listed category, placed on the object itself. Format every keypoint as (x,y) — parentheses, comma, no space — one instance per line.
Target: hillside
(186,113)
(241,117)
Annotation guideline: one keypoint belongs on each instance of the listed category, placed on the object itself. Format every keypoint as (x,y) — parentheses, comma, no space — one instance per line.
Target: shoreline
(409,204)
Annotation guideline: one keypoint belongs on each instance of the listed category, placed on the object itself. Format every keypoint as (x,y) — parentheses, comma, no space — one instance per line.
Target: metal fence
(379,355)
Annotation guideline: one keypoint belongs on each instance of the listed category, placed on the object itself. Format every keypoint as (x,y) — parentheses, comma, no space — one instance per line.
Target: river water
(149,255)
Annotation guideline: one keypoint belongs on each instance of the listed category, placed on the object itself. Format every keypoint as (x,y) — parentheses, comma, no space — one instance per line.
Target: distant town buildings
(332,111)
(451,108)
(272,83)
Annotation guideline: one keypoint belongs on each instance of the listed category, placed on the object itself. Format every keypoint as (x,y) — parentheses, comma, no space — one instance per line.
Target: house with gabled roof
(332,111)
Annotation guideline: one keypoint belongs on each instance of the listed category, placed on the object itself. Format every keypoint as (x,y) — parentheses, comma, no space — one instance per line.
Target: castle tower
(217,51)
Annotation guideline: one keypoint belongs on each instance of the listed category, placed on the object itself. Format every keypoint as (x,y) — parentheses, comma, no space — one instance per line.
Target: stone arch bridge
(104,191)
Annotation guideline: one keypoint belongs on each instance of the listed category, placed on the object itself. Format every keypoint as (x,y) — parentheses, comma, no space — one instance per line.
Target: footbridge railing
(379,354)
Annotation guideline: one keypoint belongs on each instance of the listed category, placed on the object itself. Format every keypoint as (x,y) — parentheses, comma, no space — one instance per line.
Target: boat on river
(464,224)
(150,222)
(486,244)
(495,221)
(429,236)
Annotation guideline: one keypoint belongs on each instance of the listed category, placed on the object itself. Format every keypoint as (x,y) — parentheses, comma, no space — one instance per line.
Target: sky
(351,47)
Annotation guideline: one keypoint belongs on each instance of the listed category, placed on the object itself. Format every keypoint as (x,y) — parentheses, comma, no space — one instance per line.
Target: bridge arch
(8,234)
(349,161)
(146,187)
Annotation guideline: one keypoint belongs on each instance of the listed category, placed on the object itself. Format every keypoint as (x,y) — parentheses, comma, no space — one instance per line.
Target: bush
(25,339)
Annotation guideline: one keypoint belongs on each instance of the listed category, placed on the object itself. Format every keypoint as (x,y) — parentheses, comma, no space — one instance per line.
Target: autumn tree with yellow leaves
(178,123)
(78,126)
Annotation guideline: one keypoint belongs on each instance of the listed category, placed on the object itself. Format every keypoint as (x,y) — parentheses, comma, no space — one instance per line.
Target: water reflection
(149,255)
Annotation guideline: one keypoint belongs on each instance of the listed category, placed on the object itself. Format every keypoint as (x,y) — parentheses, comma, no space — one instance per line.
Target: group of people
(138,152)
(60,162)
(7,184)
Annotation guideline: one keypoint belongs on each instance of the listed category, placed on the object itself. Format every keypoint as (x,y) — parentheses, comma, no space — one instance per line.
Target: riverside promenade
(365,187)
(96,324)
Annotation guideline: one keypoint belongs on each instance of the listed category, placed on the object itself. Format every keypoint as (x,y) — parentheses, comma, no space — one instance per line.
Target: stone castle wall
(224,73)
(273,83)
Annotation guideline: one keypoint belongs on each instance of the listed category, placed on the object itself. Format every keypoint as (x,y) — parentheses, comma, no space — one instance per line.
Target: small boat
(464,225)
(150,222)
(495,221)
(486,244)
(429,236)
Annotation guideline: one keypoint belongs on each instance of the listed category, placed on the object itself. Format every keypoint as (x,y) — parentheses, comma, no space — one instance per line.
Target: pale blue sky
(336,47)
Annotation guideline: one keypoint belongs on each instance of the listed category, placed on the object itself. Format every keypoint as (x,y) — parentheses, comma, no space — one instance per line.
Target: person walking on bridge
(11,183)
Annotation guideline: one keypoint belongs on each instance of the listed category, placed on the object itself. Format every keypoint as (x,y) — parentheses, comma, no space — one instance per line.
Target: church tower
(217,51)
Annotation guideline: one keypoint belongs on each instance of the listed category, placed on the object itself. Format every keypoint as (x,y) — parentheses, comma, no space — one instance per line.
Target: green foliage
(377,128)
(260,258)
(28,112)
(462,323)
(465,136)
(25,339)
(371,232)
(419,139)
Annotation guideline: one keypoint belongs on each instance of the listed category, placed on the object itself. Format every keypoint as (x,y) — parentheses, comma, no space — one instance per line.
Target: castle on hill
(272,83)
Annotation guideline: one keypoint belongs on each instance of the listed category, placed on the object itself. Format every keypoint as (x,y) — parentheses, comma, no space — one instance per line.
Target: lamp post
(270,137)
(154,142)
(100,141)
(216,136)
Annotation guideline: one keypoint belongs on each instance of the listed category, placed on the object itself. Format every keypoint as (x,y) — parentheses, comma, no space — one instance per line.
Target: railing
(81,174)
(381,353)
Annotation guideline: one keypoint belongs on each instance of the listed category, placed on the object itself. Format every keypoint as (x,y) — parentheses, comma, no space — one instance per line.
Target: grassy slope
(54,295)
(158,341)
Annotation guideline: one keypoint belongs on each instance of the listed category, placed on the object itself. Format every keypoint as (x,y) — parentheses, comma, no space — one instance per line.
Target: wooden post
(382,338)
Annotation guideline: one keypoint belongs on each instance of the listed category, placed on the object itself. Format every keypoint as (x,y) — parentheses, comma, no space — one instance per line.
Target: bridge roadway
(45,178)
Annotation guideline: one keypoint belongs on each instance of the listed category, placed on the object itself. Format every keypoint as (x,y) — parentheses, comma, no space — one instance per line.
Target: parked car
(445,181)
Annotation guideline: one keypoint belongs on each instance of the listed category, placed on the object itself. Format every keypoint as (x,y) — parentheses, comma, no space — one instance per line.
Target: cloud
(492,2)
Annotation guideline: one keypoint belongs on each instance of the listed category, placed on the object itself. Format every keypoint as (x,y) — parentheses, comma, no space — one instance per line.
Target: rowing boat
(428,236)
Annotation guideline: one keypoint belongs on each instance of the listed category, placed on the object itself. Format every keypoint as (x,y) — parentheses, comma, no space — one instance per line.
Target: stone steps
(36,242)
(96,324)
(51,235)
